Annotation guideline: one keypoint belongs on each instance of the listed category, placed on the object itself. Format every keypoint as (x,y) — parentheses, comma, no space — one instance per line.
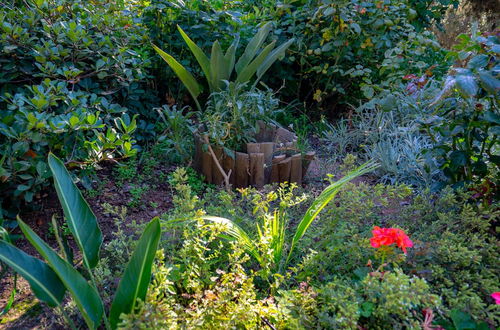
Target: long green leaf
(187,78)
(273,56)
(85,296)
(81,220)
(235,232)
(198,54)
(230,57)
(135,280)
(43,281)
(253,47)
(217,67)
(323,199)
(247,73)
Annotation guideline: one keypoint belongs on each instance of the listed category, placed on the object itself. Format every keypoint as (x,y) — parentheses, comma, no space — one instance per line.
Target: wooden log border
(273,158)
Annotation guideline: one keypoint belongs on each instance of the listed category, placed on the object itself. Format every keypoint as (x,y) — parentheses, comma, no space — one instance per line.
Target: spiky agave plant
(277,224)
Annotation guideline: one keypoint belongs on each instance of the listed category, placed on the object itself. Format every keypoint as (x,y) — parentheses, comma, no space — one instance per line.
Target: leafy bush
(74,75)
(231,117)
(347,50)
(466,121)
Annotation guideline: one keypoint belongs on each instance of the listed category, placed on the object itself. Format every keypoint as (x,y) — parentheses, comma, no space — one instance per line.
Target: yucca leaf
(187,78)
(253,47)
(273,56)
(230,57)
(135,280)
(198,54)
(81,220)
(44,283)
(247,72)
(85,296)
(323,199)
(235,232)
(217,67)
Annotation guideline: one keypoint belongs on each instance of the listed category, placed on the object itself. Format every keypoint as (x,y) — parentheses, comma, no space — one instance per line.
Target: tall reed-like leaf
(200,56)
(135,280)
(85,296)
(247,72)
(187,78)
(273,57)
(44,283)
(235,232)
(217,67)
(323,199)
(81,220)
(253,47)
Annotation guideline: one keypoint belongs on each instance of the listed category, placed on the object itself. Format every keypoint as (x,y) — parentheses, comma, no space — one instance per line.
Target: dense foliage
(407,240)
(74,76)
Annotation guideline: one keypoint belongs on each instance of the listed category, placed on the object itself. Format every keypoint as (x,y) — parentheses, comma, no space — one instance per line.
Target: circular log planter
(272,158)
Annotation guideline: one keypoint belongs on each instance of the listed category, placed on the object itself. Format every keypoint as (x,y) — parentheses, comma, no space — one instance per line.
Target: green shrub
(465,125)
(74,75)
(348,50)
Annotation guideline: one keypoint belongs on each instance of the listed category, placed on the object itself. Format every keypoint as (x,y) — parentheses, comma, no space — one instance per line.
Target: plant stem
(67,318)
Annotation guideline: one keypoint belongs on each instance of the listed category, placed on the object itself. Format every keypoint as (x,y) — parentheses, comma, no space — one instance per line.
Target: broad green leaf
(490,83)
(135,280)
(253,47)
(467,85)
(217,67)
(273,56)
(235,232)
(198,54)
(247,72)
(323,199)
(81,220)
(86,297)
(478,61)
(43,281)
(187,78)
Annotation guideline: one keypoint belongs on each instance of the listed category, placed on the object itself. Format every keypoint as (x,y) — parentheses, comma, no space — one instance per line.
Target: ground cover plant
(106,223)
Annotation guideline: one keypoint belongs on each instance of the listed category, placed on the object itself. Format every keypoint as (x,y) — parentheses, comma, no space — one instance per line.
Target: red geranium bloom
(401,239)
(496,296)
(389,236)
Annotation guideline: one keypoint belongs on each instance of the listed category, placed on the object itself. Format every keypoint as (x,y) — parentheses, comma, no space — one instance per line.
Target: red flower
(389,236)
(496,296)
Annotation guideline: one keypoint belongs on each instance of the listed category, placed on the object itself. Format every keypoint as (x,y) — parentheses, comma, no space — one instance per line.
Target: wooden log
(197,154)
(284,170)
(296,169)
(267,148)
(253,148)
(241,170)
(228,165)
(206,166)
(257,169)
(217,176)
(284,135)
(308,158)
(275,177)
